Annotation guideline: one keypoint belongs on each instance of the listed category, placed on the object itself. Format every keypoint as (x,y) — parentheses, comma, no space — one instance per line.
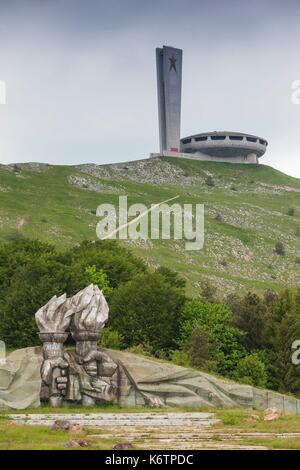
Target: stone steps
(187,435)
(158,431)
(115,420)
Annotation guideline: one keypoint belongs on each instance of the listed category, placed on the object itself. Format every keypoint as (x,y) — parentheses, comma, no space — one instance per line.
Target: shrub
(142,349)
(148,309)
(99,278)
(216,319)
(110,339)
(180,357)
(31,272)
(252,370)
(249,315)
(208,291)
(209,181)
(201,349)
(291,211)
(279,248)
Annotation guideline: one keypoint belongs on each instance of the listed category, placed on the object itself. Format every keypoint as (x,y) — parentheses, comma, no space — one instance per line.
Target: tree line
(245,337)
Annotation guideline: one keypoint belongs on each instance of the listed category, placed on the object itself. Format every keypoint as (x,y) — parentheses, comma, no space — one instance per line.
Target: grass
(236,419)
(232,424)
(254,217)
(21,437)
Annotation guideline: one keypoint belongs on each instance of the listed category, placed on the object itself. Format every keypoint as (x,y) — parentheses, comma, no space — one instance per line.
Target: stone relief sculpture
(86,374)
(53,321)
(90,375)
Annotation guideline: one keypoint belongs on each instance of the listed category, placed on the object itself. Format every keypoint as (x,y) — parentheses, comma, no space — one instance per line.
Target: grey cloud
(81,75)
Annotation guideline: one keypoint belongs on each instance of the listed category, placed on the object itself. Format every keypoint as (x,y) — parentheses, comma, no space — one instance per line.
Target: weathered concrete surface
(149,382)
(169,78)
(178,386)
(183,438)
(20,379)
(117,420)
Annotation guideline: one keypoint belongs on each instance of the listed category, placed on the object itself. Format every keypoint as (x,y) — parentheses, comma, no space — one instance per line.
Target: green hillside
(246,213)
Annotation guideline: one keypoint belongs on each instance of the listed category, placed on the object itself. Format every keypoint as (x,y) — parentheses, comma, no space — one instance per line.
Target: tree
(201,349)
(99,278)
(252,370)
(31,287)
(147,309)
(31,272)
(289,372)
(281,329)
(249,316)
(116,261)
(171,276)
(216,319)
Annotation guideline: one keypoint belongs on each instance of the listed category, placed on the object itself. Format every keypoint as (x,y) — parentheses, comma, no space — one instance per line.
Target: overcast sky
(81,80)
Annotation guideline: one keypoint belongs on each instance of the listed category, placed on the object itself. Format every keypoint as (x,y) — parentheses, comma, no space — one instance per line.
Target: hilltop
(248,208)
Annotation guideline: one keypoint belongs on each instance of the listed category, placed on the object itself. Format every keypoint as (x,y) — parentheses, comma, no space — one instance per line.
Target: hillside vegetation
(248,209)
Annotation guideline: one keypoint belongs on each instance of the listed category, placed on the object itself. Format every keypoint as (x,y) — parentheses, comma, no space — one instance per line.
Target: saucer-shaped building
(234,147)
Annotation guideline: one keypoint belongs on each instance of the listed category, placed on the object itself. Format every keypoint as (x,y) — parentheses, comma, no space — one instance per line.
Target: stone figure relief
(91,375)
(53,320)
(88,374)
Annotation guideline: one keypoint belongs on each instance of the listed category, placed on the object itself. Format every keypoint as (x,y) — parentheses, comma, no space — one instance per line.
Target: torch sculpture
(53,320)
(90,314)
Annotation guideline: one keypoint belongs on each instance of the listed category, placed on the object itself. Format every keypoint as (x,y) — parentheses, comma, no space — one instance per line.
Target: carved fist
(54,374)
(98,363)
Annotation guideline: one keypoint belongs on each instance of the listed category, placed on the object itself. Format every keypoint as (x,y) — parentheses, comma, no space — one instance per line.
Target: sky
(81,80)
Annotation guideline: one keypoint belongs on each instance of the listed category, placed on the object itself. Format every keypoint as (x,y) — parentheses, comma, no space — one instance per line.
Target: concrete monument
(91,375)
(218,146)
(169,73)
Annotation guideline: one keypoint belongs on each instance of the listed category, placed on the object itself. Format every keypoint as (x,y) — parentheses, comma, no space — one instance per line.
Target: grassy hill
(246,213)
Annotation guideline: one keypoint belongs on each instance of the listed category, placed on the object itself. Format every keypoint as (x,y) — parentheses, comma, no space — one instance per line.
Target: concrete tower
(169,75)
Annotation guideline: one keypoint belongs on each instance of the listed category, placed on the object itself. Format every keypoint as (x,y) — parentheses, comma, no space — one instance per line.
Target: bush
(141,349)
(249,315)
(99,278)
(208,291)
(217,320)
(252,370)
(110,339)
(179,357)
(148,309)
(291,211)
(31,272)
(209,181)
(279,248)
(202,350)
